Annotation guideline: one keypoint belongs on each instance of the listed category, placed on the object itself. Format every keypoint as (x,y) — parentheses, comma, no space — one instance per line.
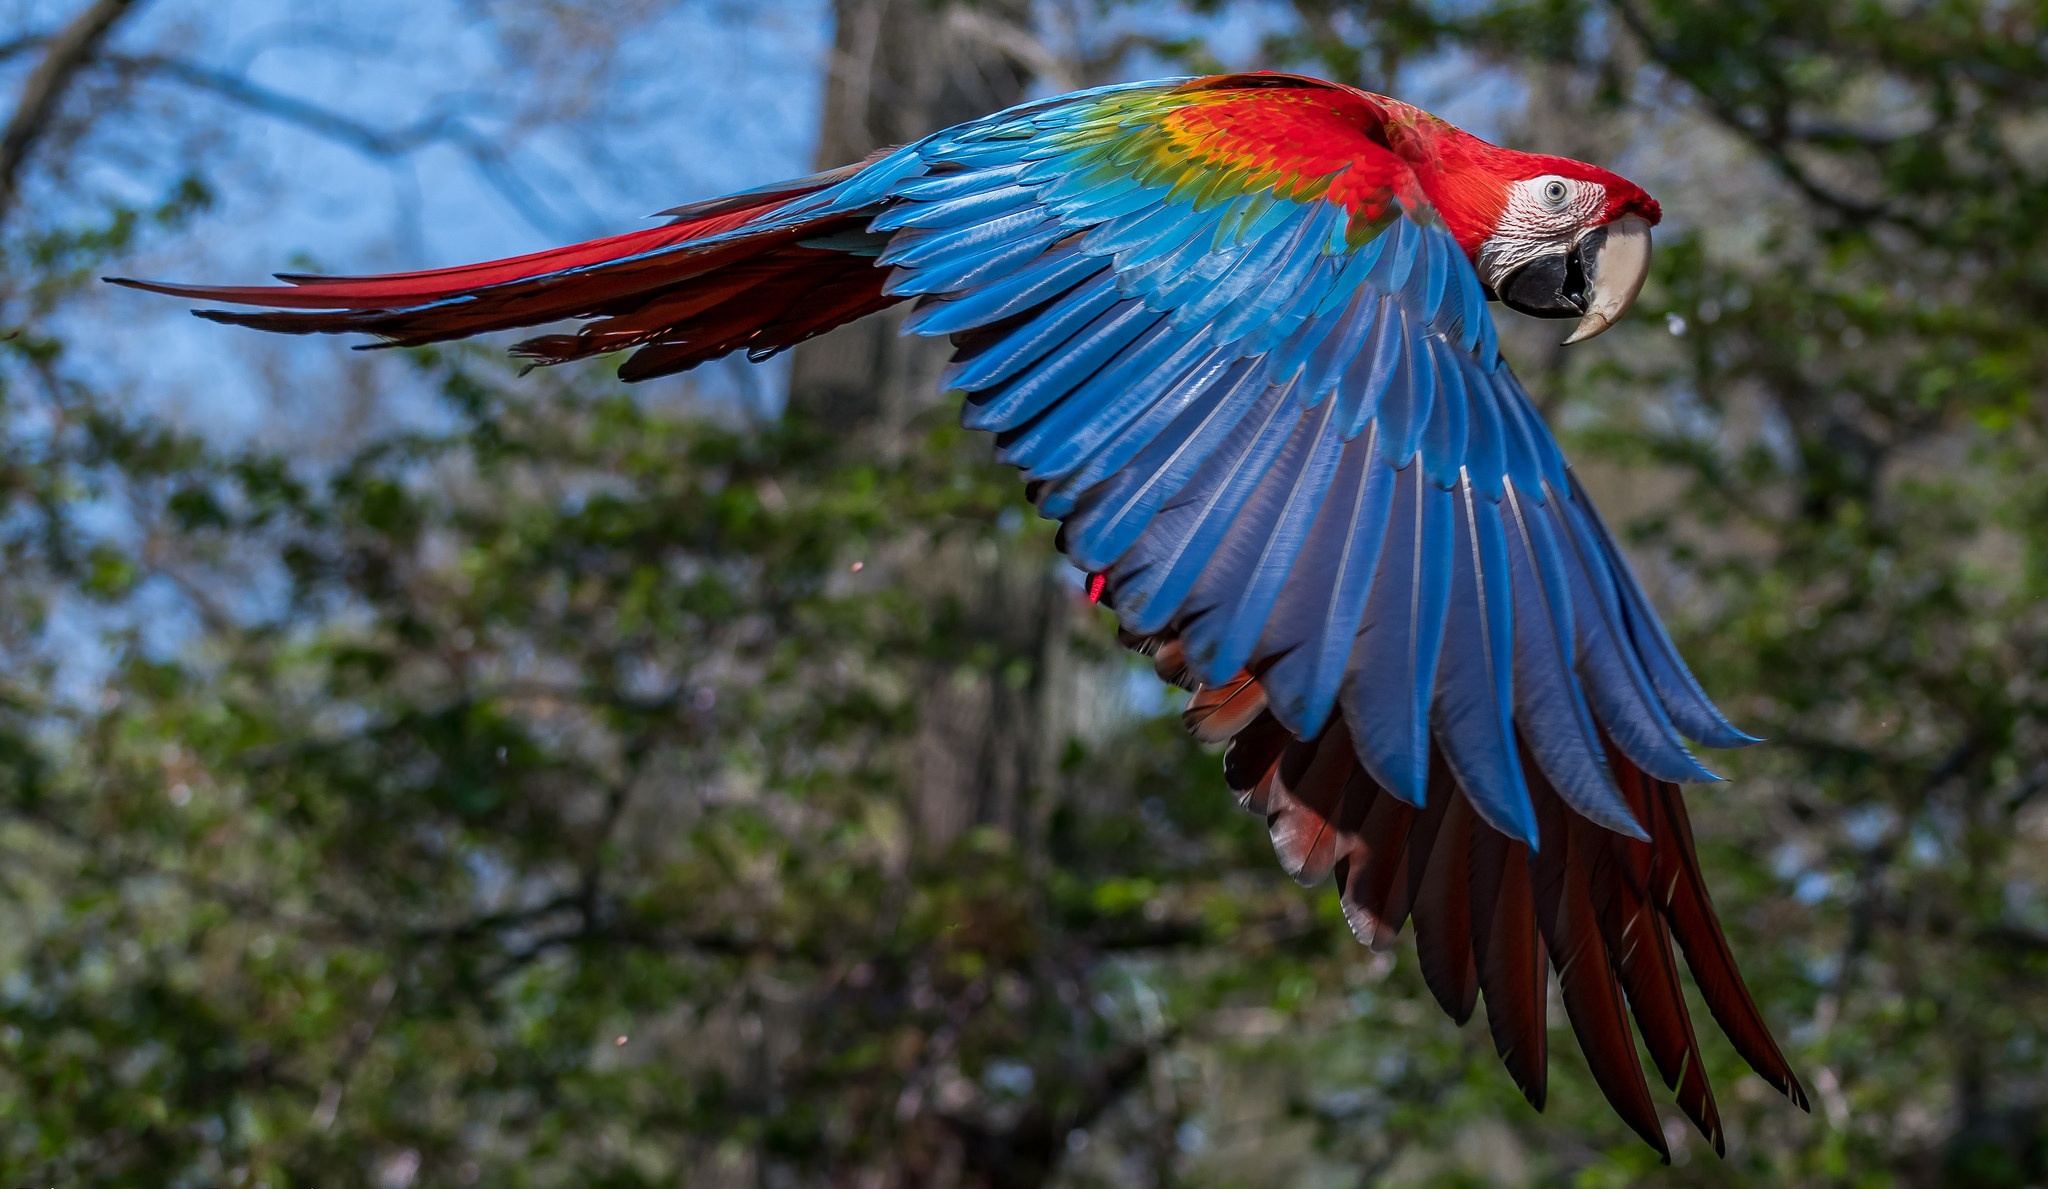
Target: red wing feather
(1681,895)
(679,292)
(1641,942)
(1509,953)
(1585,974)
(1170,662)
(1217,712)
(1376,884)
(385,291)
(1313,810)
(1443,909)
(1491,917)
(1251,758)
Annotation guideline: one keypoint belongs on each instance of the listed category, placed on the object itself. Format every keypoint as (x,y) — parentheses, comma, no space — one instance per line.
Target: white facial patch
(1541,213)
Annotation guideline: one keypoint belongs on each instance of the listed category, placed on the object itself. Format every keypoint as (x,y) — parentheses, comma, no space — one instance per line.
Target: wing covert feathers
(1605,913)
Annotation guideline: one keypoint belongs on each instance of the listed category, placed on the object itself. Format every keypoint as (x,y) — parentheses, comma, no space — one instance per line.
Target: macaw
(1234,331)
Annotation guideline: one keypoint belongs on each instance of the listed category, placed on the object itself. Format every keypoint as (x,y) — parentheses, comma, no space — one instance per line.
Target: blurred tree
(538,796)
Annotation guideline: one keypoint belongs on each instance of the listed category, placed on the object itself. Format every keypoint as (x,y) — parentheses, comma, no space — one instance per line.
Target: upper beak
(1616,260)
(1595,279)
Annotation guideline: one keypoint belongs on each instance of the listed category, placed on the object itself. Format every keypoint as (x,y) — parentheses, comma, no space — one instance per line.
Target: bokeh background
(417,773)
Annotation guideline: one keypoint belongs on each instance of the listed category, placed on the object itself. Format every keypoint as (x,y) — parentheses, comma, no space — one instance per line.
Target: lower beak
(1616,259)
(1595,280)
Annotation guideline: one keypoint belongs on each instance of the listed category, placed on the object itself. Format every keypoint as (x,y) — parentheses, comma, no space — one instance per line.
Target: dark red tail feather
(1682,898)
(682,293)
(1443,912)
(1573,852)
(1490,917)
(1641,940)
(1375,881)
(1508,949)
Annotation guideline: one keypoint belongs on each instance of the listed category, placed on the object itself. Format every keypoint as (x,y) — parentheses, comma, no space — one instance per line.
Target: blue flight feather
(936,187)
(1079,358)
(970,208)
(1142,229)
(1219,277)
(1549,705)
(1515,407)
(1295,311)
(1140,273)
(1106,402)
(1105,396)
(1521,451)
(1485,450)
(1615,681)
(1474,710)
(1100,204)
(1684,700)
(1265,278)
(1182,381)
(926,250)
(1111,515)
(1448,441)
(1314,624)
(1157,573)
(1367,379)
(1245,577)
(1352,277)
(1410,394)
(1327,364)
(997,260)
(1032,341)
(1391,680)
(1398,260)
(1244,215)
(1436,274)
(1052,274)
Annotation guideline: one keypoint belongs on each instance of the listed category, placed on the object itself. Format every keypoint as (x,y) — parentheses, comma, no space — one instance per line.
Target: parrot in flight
(1234,331)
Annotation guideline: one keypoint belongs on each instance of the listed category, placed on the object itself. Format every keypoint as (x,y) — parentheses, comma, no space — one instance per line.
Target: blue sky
(711,97)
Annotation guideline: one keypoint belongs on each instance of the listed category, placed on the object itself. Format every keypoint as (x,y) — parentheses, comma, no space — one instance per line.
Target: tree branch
(1772,140)
(71,50)
(379,143)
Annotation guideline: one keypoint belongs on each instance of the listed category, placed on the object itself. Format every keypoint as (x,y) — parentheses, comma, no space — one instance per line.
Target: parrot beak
(1616,259)
(1594,280)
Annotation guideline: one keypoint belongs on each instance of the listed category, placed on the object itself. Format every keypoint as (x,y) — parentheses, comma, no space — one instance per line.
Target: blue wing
(1296,448)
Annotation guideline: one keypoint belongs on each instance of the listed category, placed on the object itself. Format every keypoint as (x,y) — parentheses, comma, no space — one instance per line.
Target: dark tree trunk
(901,69)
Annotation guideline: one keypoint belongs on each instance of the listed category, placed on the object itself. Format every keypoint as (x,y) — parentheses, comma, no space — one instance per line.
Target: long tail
(744,272)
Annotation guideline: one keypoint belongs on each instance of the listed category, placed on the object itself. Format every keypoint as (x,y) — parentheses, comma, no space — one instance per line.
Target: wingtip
(1725,736)
(227,317)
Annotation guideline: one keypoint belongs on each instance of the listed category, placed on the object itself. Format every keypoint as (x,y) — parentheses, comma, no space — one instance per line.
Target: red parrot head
(1571,240)
(1550,236)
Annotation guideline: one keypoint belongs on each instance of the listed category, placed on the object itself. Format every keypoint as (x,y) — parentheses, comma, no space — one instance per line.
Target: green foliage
(536,800)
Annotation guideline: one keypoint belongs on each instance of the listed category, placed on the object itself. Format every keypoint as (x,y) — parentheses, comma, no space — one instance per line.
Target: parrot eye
(1555,192)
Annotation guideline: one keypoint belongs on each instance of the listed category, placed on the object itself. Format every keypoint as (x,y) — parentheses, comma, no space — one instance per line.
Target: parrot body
(1234,331)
